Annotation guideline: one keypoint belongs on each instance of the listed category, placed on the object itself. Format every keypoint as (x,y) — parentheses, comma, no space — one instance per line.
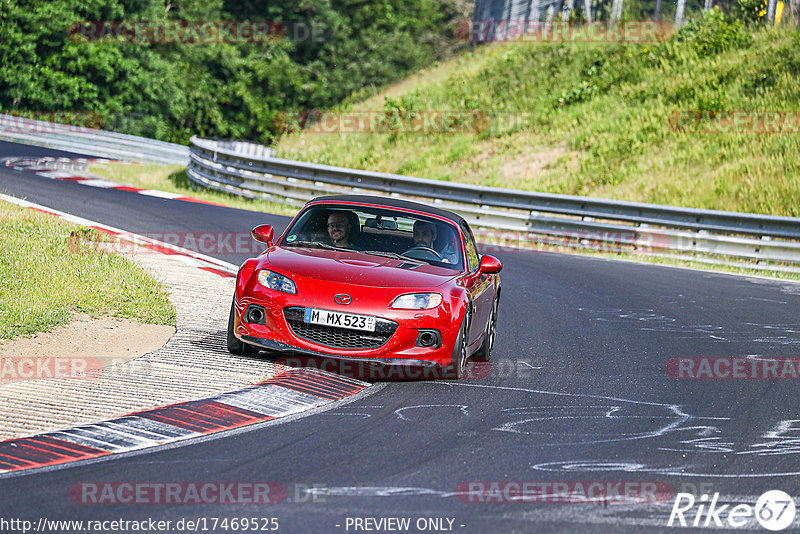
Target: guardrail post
(570,9)
(616,10)
(679,13)
(771,8)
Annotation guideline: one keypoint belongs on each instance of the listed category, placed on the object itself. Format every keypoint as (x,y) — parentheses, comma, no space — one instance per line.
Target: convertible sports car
(375,280)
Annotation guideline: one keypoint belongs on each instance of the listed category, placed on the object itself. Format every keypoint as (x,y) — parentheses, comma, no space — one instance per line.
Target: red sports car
(375,280)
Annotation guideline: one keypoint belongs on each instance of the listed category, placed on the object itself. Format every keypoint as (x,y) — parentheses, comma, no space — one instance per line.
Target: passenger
(448,246)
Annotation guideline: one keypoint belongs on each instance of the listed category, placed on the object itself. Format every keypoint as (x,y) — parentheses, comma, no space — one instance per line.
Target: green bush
(584,91)
(173,90)
(750,11)
(714,32)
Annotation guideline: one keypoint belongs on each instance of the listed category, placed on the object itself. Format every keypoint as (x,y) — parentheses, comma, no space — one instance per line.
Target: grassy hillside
(594,119)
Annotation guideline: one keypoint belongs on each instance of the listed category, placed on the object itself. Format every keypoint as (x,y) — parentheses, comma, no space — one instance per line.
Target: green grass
(172,178)
(594,119)
(48,269)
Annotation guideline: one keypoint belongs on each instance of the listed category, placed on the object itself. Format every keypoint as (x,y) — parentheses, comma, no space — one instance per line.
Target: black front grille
(339,338)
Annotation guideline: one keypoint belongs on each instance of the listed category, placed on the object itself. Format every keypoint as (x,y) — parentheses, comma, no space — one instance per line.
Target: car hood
(354,268)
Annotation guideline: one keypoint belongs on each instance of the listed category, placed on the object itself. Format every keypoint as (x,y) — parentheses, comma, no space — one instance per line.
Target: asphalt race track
(578,393)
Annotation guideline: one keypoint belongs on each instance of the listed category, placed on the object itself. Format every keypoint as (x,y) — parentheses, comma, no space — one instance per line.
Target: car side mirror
(263,234)
(490,265)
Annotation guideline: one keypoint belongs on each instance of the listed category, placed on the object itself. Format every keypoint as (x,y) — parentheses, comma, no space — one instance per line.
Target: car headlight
(417,301)
(276,281)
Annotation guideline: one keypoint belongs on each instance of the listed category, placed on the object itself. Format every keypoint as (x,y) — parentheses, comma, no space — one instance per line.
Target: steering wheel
(423,253)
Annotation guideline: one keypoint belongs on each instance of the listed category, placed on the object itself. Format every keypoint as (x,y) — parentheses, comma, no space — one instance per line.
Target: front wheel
(459,360)
(235,345)
(485,352)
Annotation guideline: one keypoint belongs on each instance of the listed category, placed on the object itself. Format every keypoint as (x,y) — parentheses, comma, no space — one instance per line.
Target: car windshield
(378,232)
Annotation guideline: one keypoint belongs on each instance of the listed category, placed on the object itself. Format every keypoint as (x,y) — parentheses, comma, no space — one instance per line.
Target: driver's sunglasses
(337,225)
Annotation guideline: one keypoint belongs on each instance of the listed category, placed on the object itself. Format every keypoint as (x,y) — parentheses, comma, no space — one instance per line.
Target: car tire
(458,361)
(235,345)
(484,353)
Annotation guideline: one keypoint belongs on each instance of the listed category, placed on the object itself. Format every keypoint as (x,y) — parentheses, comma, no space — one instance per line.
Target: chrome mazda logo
(341,298)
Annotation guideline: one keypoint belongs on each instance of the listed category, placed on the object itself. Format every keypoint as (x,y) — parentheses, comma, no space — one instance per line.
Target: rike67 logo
(774,510)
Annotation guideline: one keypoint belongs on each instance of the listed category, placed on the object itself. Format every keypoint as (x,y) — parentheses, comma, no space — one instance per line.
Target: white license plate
(340,319)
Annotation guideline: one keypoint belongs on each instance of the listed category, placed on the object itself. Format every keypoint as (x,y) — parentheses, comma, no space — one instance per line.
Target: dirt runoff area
(80,349)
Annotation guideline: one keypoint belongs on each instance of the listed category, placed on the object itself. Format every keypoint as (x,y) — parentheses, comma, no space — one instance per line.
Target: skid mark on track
(786,334)
(667,417)
(399,412)
(674,442)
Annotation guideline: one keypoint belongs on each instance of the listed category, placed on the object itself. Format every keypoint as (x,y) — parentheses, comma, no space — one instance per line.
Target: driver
(424,234)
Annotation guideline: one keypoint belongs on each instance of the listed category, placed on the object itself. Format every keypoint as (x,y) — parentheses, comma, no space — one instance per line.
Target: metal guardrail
(90,141)
(248,169)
